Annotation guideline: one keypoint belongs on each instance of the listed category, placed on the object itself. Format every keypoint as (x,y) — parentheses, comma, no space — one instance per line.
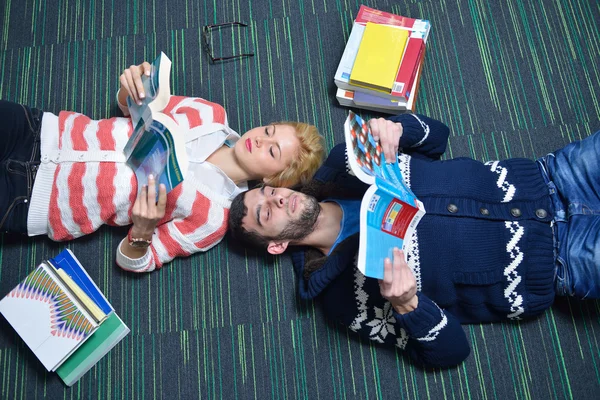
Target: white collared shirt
(199,149)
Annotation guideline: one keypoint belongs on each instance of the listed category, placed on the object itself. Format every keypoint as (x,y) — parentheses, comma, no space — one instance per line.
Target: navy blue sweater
(483,251)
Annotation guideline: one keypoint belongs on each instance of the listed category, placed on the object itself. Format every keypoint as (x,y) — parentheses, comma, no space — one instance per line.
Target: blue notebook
(67,261)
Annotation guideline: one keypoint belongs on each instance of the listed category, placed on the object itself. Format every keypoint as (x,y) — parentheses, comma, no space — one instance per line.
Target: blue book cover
(366,99)
(67,261)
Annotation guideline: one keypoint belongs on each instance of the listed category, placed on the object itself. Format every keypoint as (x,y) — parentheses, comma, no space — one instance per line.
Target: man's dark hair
(237,212)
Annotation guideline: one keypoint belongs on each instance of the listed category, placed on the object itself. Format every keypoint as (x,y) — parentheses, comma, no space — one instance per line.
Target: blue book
(389,211)
(157,145)
(366,99)
(67,261)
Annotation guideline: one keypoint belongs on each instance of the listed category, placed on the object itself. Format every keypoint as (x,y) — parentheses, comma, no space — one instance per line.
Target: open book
(157,145)
(389,212)
(63,317)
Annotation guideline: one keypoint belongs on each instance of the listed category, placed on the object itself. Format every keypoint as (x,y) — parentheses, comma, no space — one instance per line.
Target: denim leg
(575,172)
(19,160)
(582,256)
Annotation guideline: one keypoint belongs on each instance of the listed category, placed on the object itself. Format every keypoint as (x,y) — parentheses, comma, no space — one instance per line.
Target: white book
(47,316)
(342,75)
(345,97)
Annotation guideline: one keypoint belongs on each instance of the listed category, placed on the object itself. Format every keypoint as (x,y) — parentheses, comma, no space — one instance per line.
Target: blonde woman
(65,175)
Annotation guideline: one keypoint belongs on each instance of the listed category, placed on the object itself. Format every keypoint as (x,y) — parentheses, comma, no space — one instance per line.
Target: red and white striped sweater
(83,183)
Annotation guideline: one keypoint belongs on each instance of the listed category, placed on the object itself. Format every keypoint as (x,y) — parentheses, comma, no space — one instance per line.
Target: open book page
(157,145)
(366,158)
(364,153)
(385,222)
(156,88)
(159,152)
(389,211)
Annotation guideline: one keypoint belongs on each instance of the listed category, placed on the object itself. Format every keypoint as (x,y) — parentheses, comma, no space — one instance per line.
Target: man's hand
(388,134)
(146,211)
(399,286)
(131,83)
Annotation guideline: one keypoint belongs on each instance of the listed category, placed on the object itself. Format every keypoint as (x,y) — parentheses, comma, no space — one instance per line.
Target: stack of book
(381,65)
(63,317)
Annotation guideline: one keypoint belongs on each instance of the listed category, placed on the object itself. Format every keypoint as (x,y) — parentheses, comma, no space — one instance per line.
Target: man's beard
(305,225)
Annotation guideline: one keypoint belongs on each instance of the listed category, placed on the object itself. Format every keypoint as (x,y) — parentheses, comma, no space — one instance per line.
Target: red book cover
(368,14)
(412,105)
(408,68)
(397,218)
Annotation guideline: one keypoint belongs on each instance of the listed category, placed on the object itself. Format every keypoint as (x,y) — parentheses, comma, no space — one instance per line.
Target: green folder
(108,334)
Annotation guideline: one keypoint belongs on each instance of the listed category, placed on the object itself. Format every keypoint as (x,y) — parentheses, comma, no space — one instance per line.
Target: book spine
(415,76)
(410,105)
(368,14)
(378,93)
(345,97)
(408,68)
(342,75)
(365,99)
(87,303)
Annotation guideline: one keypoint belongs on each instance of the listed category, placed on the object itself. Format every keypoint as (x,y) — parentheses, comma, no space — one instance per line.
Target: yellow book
(379,57)
(88,303)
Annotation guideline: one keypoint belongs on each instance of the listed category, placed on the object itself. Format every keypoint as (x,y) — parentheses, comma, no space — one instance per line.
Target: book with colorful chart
(389,211)
(63,317)
(157,145)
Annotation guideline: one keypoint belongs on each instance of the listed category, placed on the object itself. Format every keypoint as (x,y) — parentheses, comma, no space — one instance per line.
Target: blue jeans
(19,160)
(573,177)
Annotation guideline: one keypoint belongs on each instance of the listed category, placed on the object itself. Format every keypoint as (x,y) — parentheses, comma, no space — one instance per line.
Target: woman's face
(267,150)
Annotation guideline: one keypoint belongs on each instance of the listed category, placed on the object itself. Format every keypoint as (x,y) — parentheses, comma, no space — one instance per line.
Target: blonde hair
(309,158)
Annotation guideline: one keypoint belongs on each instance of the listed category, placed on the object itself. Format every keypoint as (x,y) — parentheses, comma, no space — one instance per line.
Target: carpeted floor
(513,78)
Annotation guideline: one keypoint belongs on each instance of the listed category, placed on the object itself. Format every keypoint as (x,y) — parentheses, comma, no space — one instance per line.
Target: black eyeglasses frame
(206,33)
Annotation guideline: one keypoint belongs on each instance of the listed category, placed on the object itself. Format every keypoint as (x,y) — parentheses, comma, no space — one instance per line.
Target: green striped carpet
(511,78)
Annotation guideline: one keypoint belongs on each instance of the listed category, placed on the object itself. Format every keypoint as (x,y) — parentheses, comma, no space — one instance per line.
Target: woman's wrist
(138,233)
(132,252)
(122,97)
(122,101)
